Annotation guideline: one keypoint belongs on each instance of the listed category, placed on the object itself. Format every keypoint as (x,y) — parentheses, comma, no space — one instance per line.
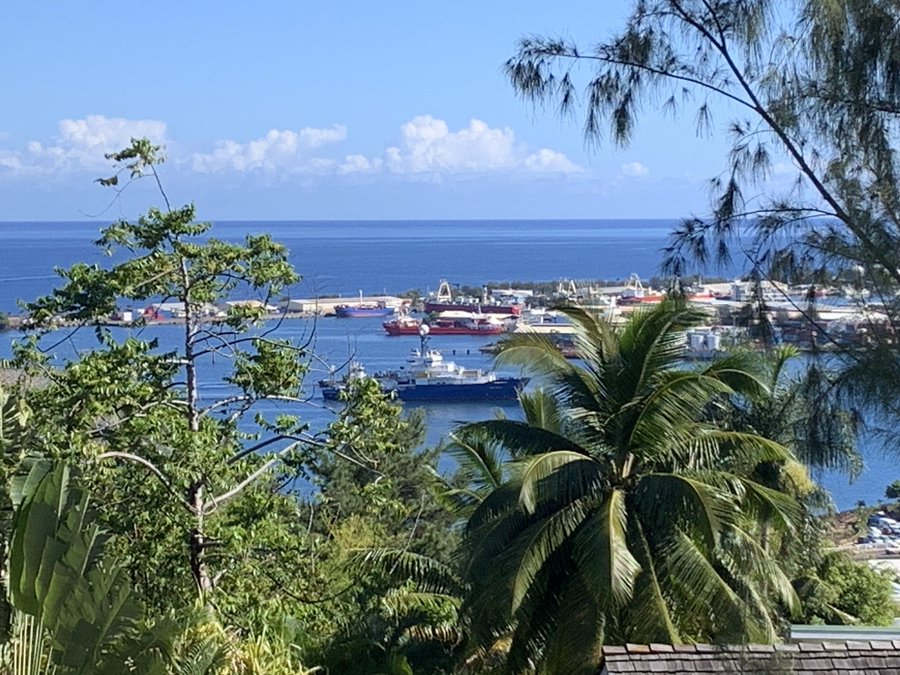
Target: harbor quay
(788,312)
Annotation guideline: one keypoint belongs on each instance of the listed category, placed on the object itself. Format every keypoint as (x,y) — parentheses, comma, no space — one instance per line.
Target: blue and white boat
(428,378)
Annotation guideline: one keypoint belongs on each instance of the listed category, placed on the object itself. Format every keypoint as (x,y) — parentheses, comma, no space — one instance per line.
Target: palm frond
(651,342)
(738,451)
(649,617)
(399,566)
(519,438)
(743,372)
(478,457)
(749,558)
(678,399)
(574,646)
(402,602)
(537,469)
(541,410)
(773,505)
(704,592)
(602,554)
(538,543)
(533,351)
(670,500)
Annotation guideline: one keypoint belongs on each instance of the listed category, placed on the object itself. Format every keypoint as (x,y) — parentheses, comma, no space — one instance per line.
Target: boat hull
(501,389)
(394,329)
(351,312)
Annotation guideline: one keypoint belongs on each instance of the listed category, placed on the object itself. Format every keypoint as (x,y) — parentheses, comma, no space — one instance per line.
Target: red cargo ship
(445,326)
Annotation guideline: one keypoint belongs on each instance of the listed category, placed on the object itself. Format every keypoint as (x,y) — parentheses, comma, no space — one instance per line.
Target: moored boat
(634,293)
(445,326)
(363,310)
(428,378)
(443,301)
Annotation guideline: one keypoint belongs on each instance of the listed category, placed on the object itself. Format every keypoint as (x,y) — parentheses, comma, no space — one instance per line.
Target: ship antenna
(423,337)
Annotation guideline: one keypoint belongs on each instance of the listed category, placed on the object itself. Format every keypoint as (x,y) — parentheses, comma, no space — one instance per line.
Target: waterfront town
(792,314)
(242,431)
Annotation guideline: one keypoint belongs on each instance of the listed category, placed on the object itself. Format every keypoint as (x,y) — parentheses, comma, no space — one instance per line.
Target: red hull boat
(407,326)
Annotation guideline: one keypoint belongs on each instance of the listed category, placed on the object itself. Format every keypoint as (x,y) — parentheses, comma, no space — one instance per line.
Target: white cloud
(359,164)
(97,134)
(428,149)
(428,146)
(276,151)
(635,170)
(80,144)
(550,160)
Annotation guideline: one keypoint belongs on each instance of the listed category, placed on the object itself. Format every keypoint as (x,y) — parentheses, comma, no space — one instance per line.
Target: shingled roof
(817,658)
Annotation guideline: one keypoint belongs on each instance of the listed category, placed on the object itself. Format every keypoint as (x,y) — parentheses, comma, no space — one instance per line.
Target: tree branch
(153,469)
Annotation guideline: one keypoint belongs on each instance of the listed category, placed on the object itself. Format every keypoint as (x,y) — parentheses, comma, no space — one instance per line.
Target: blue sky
(320,110)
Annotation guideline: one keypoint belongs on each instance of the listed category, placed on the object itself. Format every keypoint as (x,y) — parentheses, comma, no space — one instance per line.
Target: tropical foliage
(75,610)
(843,591)
(642,499)
(626,515)
(808,84)
(208,501)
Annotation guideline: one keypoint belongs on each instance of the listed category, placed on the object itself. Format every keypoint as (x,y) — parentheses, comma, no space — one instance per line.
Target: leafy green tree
(14,416)
(200,493)
(800,411)
(845,591)
(380,507)
(194,488)
(76,611)
(893,490)
(627,516)
(811,83)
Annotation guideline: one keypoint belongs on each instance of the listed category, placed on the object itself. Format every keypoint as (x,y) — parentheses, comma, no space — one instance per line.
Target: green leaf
(602,553)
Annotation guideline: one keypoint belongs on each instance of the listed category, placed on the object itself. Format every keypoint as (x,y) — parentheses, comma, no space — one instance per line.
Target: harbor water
(344,258)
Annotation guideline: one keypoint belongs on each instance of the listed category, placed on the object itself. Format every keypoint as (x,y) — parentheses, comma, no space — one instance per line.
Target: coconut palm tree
(626,515)
(802,410)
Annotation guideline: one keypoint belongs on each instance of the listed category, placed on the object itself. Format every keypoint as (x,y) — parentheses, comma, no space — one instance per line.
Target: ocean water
(342,258)
(346,257)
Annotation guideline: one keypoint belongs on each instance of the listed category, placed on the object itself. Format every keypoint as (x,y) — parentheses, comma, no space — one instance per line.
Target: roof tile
(876,662)
(857,645)
(871,658)
(786,647)
(819,664)
(811,646)
(685,649)
(835,645)
(761,648)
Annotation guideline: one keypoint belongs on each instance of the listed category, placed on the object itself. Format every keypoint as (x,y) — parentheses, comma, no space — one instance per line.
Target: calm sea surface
(346,257)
